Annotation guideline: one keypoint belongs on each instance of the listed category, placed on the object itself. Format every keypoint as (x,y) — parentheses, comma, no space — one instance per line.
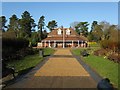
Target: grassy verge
(102,66)
(29,61)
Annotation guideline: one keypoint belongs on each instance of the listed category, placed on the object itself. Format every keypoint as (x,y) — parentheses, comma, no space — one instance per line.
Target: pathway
(61,70)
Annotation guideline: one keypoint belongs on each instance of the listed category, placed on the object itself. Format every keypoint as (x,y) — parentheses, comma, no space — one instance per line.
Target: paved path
(61,70)
(62,67)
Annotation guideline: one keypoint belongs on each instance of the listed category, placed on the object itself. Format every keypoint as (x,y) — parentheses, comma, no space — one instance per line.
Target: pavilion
(62,38)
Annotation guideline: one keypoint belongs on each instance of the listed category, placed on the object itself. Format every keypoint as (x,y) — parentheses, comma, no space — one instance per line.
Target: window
(59,31)
(68,32)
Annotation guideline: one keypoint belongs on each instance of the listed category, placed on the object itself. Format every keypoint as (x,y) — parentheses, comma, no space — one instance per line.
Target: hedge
(11,47)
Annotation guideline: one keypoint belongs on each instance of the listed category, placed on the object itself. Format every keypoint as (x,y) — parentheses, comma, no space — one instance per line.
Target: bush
(16,43)
(114,57)
(104,44)
(20,54)
(11,47)
(109,54)
(113,45)
(100,52)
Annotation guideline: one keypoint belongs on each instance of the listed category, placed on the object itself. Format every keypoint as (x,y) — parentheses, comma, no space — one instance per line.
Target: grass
(26,62)
(48,51)
(78,51)
(29,61)
(102,66)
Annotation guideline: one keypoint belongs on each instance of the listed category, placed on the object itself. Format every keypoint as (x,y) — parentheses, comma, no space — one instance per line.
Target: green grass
(78,51)
(48,51)
(26,62)
(29,61)
(102,66)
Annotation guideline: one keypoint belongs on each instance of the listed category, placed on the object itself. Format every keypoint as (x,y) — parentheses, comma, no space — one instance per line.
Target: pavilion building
(62,38)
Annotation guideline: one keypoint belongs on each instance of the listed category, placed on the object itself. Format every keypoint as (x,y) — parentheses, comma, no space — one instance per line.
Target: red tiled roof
(54,32)
(54,36)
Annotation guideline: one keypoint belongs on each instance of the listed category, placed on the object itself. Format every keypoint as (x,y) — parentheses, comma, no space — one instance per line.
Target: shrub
(100,52)
(104,43)
(16,43)
(108,53)
(113,45)
(10,47)
(114,57)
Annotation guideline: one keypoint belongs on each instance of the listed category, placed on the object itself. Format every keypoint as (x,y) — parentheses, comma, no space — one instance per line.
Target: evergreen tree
(82,27)
(52,24)
(14,25)
(41,25)
(26,24)
(44,34)
(2,23)
(93,25)
(91,36)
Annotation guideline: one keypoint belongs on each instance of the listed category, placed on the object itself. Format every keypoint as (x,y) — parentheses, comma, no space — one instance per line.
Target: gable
(58,32)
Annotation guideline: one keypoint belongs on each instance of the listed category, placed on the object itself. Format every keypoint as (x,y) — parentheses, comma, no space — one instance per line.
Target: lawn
(29,61)
(78,51)
(102,66)
(48,51)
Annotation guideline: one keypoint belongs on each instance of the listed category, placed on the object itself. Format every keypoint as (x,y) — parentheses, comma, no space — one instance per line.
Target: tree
(112,41)
(93,25)
(13,24)
(44,34)
(52,24)
(98,33)
(2,23)
(82,27)
(41,25)
(26,24)
(34,38)
(105,28)
(90,35)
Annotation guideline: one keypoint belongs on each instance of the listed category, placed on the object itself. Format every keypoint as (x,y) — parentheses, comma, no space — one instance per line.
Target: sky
(64,12)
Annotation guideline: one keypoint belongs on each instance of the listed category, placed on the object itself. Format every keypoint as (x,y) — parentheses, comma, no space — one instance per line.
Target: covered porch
(62,44)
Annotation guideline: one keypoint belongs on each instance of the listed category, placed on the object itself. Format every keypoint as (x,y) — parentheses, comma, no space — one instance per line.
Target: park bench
(84,53)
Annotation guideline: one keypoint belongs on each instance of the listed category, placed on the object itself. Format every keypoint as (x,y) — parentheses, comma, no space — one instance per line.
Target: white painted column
(49,44)
(54,44)
(84,44)
(72,43)
(78,43)
(81,43)
(63,39)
